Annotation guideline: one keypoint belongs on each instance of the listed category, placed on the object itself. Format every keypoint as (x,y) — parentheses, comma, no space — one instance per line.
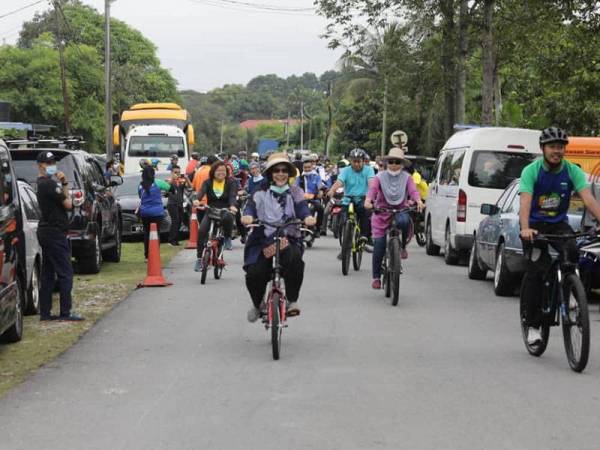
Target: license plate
(137,228)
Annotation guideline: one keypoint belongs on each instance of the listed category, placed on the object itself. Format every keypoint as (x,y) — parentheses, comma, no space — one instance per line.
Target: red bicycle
(213,252)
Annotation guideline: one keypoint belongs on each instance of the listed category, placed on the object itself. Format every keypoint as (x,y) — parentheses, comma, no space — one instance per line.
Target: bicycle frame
(352,217)
(276,286)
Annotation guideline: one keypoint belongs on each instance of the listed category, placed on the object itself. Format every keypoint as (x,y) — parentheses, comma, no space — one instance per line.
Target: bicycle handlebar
(394,210)
(277,225)
(564,237)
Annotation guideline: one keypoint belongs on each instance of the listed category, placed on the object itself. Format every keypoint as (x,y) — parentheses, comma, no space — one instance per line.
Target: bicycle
(349,239)
(275,317)
(563,303)
(213,252)
(391,266)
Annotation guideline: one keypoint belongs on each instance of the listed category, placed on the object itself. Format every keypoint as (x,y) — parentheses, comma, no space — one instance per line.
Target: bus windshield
(156,146)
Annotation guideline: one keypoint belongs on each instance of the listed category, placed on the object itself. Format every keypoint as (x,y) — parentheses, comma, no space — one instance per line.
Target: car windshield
(26,168)
(156,146)
(496,169)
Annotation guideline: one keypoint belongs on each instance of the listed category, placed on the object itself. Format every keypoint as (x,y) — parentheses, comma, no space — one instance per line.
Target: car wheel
(450,255)
(113,254)
(33,292)
(503,279)
(430,248)
(15,332)
(475,272)
(90,263)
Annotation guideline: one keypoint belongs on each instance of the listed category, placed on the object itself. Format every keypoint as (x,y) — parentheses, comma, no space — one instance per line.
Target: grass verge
(93,297)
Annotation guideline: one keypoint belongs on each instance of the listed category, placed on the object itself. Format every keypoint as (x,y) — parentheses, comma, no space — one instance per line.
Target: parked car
(129,200)
(473,168)
(12,252)
(33,252)
(95,220)
(497,245)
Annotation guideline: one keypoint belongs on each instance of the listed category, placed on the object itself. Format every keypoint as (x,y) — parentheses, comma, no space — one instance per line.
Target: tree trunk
(448,63)
(497,96)
(461,63)
(384,119)
(489,63)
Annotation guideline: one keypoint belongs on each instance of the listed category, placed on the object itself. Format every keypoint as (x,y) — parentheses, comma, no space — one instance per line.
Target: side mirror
(115,180)
(487,209)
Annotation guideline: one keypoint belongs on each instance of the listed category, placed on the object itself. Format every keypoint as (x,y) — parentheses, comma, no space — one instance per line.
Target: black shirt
(176,193)
(50,198)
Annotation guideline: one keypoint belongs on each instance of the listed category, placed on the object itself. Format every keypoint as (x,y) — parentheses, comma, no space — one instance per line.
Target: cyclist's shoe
(243,239)
(376,284)
(227,244)
(293,309)
(339,256)
(403,253)
(368,248)
(198,266)
(534,336)
(253,314)
(363,240)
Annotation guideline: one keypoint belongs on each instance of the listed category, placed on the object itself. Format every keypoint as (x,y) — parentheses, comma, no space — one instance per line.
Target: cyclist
(256,178)
(311,183)
(545,188)
(275,201)
(392,188)
(174,161)
(356,181)
(220,192)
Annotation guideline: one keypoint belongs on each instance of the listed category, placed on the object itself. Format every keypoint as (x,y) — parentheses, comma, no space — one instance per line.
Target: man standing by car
(54,200)
(179,183)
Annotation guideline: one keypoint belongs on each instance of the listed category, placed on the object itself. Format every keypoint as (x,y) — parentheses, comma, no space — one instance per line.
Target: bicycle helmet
(204,160)
(553,134)
(155,162)
(144,163)
(357,153)
(195,155)
(174,156)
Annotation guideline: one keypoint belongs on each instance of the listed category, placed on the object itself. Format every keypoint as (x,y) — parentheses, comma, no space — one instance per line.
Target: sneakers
(403,253)
(48,318)
(174,244)
(198,266)
(534,336)
(339,256)
(227,244)
(368,248)
(71,318)
(376,284)
(253,315)
(293,309)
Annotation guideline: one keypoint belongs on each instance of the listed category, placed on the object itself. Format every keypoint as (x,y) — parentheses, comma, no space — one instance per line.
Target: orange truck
(584,151)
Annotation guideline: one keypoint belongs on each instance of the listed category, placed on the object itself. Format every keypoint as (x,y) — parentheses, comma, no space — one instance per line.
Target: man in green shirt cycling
(545,188)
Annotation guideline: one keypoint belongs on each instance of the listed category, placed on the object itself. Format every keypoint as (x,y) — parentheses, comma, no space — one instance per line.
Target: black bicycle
(391,266)
(563,303)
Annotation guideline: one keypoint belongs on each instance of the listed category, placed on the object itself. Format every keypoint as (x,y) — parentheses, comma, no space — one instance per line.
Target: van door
(432,197)
(448,194)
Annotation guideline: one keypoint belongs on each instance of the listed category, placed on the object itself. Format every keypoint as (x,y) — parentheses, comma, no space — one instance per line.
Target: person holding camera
(179,184)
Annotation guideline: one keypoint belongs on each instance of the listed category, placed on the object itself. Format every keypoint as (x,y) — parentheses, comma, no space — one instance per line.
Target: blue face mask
(279,189)
(51,170)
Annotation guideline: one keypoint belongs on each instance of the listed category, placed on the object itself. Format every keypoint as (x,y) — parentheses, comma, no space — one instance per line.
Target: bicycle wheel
(386,275)
(347,246)
(394,270)
(205,264)
(218,272)
(275,326)
(357,253)
(575,323)
(539,348)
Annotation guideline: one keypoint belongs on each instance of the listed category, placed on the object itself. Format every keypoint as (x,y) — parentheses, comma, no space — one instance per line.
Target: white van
(154,142)
(474,167)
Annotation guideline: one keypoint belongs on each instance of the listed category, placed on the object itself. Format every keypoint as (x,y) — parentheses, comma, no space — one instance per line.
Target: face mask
(279,189)
(394,172)
(51,170)
(257,178)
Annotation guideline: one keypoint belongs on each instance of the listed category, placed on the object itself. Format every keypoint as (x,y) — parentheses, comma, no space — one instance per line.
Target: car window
(26,168)
(434,171)
(129,186)
(497,169)
(503,197)
(96,172)
(509,206)
(445,169)
(451,168)
(6,185)
(156,146)
(31,208)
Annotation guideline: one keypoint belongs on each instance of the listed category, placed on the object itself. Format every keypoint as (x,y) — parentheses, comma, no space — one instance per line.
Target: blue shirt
(310,183)
(356,184)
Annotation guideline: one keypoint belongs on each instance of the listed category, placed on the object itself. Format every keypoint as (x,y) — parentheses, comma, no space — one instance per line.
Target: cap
(46,157)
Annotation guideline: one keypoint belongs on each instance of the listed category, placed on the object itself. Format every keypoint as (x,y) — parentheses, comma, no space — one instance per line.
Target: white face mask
(394,172)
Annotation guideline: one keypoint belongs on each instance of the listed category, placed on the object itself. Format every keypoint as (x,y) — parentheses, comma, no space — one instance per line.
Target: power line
(266,6)
(252,7)
(21,9)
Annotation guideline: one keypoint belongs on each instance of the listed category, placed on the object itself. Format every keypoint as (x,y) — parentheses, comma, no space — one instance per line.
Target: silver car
(31,216)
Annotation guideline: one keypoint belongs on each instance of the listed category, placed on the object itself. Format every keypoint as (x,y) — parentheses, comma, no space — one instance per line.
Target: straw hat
(397,153)
(280,158)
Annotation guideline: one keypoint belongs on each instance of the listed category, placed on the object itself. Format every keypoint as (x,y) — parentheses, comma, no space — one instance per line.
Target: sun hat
(397,153)
(280,158)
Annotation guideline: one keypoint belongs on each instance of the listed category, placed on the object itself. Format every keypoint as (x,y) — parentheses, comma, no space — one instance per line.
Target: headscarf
(394,187)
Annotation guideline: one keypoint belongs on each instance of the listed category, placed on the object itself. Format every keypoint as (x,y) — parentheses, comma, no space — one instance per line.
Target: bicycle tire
(205,264)
(335,226)
(573,290)
(275,327)
(347,246)
(387,290)
(218,272)
(537,349)
(394,270)
(357,255)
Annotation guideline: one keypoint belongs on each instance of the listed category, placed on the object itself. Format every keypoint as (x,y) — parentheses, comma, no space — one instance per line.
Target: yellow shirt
(219,187)
(421,184)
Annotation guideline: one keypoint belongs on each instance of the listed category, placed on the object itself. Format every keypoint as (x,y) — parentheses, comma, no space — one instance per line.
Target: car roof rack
(62,142)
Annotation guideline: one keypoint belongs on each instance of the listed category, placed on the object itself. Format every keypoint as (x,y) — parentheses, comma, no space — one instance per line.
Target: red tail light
(461,208)
(78,197)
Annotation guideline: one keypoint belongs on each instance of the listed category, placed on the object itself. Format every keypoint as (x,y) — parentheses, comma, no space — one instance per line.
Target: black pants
(227,224)
(260,273)
(56,266)
(176,213)
(147,221)
(536,268)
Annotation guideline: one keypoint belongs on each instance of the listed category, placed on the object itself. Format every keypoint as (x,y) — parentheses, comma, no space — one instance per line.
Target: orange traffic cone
(154,277)
(193,241)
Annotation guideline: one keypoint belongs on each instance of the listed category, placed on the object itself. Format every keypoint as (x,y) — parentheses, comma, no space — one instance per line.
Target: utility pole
(107,80)
(384,125)
(328,132)
(63,74)
(221,145)
(301,125)
(287,130)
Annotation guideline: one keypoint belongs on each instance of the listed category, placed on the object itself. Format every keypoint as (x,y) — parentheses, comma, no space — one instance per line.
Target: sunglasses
(281,170)
(395,161)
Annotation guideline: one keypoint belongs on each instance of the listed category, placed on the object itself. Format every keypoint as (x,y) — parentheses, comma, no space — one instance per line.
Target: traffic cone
(193,241)
(154,277)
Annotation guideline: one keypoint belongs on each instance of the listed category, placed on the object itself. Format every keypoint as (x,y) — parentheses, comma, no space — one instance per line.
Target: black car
(95,220)
(12,253)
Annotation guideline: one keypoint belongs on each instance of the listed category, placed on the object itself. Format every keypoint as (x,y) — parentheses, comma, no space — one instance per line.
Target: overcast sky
(206,43)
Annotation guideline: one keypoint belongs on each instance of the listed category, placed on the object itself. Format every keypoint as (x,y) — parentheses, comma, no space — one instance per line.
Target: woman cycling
(275,201)
(151,208)
(392,188)
(220,192)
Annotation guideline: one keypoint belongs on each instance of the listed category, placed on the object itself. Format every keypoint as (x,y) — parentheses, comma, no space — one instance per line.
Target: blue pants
(379,244)
(56,267)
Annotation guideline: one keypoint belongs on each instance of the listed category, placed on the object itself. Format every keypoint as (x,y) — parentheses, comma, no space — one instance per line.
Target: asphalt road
(180,368)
